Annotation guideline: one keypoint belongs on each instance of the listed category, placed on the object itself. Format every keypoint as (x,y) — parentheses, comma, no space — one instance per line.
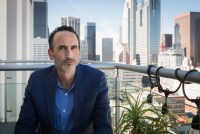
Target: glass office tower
(107,49)
(148,31)
(141,30)
(41,19)
(90,38)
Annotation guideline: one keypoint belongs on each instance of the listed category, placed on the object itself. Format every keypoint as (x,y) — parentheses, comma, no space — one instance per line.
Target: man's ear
(50,53)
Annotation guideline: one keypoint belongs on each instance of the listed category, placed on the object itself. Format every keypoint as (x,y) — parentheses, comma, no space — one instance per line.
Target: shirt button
(63,110)
(65,94)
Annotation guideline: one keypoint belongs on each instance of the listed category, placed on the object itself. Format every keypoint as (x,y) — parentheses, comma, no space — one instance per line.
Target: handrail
(194,77)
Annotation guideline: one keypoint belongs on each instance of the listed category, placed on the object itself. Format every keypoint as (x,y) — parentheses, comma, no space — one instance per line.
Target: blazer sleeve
(102,117)
(27,122)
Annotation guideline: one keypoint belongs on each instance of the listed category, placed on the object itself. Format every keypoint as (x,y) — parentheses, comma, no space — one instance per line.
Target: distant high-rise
(90,38)
(187,30)
(148,31)
(41,19)
(98,57)
(141,30)
(41,32)
(129,27)
(84,50)
(166,42)
(107,49)
(73,22)
(124,56)
(171,58)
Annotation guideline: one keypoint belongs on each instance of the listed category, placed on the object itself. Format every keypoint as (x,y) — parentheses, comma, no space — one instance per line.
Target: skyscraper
(41,32)
(129,27)
(187,34)
(73,22)
(148,31)
(41,19)
(90,38)
(107,49)
(141,30)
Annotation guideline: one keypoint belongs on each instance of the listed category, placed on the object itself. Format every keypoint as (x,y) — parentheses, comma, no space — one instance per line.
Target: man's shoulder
(44,71)
(90,70)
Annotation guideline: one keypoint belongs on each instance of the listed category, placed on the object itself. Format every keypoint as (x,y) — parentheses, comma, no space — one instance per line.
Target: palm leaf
(136,117)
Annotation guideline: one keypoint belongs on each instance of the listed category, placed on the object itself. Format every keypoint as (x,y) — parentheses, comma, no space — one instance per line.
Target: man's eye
(61,47)
(74,47)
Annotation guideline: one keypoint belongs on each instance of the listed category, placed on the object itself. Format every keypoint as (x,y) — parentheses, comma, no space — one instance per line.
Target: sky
(107,14)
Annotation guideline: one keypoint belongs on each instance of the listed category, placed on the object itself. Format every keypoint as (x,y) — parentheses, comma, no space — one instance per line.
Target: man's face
(65,51)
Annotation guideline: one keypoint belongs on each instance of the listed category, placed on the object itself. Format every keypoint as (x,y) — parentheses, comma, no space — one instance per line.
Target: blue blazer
(91,113)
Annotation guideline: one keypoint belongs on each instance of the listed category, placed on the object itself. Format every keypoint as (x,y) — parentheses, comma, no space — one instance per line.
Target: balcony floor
(7,128)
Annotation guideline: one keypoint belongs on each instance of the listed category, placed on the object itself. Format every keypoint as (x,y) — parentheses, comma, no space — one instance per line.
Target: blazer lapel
(79,93)
(50,93)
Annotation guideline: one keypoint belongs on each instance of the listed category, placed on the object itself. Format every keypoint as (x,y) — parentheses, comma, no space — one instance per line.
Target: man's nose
(68,53)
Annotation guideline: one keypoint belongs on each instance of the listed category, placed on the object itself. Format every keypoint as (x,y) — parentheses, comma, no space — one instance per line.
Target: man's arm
(102,116)
(27,121)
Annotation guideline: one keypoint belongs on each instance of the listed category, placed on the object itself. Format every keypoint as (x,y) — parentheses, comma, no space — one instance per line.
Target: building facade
(129,27)
(166,42)
(124,55)
(40,49)
(141,30)
(171,58)
(107,49)
(90,38)
(148,31)
(41,31)
(16,44)
(187,29)
(84,50)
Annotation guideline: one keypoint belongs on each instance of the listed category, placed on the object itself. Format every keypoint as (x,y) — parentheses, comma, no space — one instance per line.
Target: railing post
(117,101)
(5,97)
(198,112)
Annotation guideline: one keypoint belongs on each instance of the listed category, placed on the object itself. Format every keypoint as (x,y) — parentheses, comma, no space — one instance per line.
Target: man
(66,98)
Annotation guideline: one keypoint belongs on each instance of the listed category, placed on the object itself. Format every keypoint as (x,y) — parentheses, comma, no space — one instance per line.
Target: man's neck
(66,78)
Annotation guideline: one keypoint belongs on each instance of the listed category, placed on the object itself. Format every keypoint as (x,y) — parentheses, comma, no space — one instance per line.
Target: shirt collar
(60,85)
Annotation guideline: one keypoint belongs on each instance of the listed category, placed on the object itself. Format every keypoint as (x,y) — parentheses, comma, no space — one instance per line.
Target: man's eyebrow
(61,45)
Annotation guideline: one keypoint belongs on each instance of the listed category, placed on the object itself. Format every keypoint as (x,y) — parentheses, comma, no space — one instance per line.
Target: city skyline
(108,15)
(90,11)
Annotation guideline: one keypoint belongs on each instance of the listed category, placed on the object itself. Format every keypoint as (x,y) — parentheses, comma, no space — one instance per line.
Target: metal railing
(194,77)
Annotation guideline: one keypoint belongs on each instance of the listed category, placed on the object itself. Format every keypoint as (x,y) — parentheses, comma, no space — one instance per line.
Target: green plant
(140,117)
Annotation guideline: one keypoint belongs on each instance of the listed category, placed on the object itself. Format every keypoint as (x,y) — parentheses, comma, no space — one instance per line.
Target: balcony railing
(133,78)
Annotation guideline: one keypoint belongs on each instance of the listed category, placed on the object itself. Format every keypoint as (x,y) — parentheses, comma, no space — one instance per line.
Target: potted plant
(140,117)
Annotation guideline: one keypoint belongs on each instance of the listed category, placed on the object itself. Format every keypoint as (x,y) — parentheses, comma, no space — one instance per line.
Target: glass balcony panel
(12,93)
(2,103)
(14,100)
